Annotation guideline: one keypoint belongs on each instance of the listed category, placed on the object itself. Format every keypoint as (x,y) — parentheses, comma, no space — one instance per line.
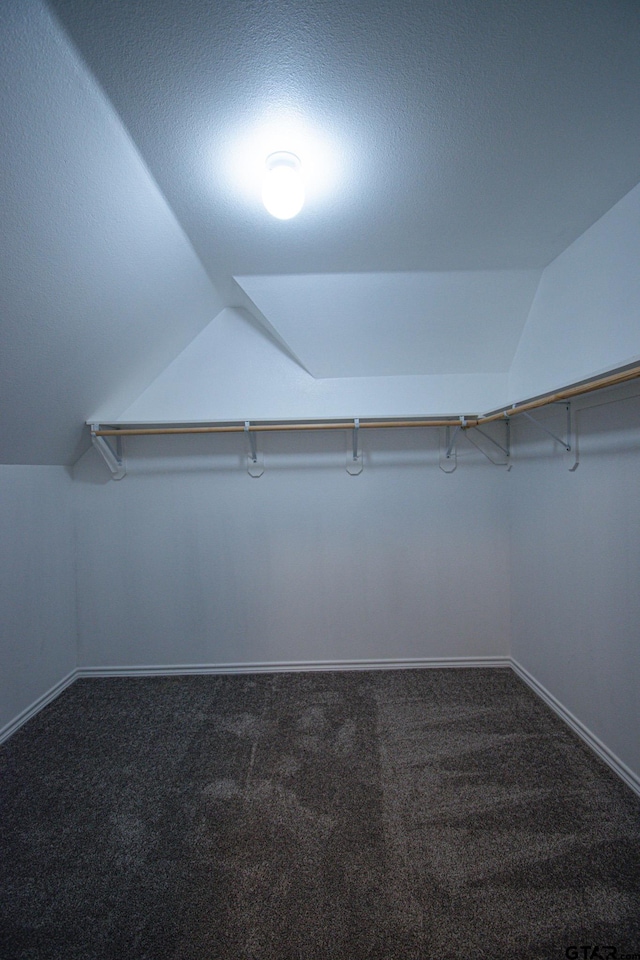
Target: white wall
(584,316)
(576,567)
(37,586)
(188,560)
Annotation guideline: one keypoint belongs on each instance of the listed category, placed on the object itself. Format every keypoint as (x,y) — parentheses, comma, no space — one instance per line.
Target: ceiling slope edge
(233,371)
(227,290)
(244,303)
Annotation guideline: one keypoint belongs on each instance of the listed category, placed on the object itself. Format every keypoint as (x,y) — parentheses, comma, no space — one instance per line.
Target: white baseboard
(297,666)
(290,666)
(10,728)
(624,772)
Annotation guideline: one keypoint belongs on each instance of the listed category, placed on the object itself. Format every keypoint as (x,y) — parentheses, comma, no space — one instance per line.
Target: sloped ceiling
(452,150)
(398,324)
(232,371)
(448,135)
(99,286)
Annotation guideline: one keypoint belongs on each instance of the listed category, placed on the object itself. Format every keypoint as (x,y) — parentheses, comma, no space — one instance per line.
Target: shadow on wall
(602,424)
(299,450)
(605,423)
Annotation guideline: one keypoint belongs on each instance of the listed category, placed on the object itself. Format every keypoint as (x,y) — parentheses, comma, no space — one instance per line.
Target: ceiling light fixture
(283,187)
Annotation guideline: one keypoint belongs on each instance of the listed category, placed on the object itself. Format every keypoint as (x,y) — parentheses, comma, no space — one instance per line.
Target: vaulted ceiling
(447,135)
(452,150)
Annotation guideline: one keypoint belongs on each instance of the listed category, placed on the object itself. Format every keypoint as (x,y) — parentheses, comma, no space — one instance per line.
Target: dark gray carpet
(401,815)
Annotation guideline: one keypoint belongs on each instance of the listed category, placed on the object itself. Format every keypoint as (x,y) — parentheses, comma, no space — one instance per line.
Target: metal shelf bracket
(565,443)
(449,441)
(354,454)
(255,461)
(448,454)
(504,450)
(114,459)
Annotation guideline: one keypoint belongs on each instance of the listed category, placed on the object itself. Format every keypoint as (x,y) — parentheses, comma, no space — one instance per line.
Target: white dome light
(283,187)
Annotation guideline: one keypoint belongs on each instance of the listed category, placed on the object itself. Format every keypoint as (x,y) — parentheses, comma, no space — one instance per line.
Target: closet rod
(264,427)
(565,394)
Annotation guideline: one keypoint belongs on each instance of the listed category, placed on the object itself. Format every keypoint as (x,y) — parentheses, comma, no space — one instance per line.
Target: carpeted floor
(409,815)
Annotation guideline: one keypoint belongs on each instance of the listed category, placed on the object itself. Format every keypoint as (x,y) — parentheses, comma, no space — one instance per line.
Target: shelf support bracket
(354,455)
(255,461)
(448,456)
(505,450)
(565,443)
(496,463)
(114,459)
(452,440)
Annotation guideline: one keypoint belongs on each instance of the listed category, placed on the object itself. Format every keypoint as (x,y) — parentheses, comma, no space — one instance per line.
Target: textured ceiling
(440,135)
(99,287)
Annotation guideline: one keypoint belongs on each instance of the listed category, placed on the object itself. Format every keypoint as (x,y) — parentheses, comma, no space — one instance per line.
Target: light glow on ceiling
(283,185)
(323,158)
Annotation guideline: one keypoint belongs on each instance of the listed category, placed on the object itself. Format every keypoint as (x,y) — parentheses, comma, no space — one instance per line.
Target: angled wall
(584,316)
